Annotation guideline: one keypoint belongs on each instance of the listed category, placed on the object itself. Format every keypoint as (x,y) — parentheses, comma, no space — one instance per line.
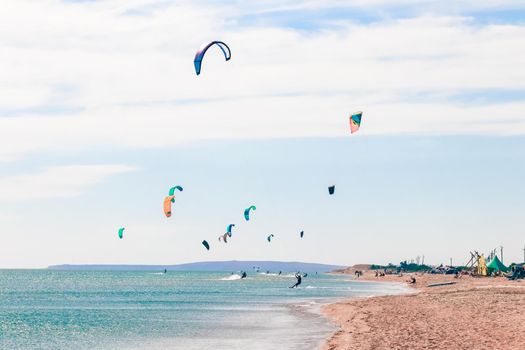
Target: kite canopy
(167,205)
(121,232)
(302,234)
(202,50)
(331,190)
(172,191)
(224,238)
(496,265)
(229,229)
(206,245)
(247,212)
(355,121)
(269,238)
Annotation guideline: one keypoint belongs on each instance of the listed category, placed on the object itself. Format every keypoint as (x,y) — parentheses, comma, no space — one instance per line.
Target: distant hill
(212,266)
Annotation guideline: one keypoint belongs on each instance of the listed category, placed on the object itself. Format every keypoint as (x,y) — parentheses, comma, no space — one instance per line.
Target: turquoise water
(43,309)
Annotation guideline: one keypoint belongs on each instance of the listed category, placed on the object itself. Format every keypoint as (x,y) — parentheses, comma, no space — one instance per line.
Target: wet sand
(473,313)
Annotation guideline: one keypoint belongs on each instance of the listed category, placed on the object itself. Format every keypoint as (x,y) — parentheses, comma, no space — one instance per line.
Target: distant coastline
(232,265)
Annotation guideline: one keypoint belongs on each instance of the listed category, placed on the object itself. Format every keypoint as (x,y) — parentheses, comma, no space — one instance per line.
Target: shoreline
(313,308)
(475,313)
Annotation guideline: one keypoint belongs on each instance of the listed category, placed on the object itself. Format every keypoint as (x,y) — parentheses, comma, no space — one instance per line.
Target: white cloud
(56,182)
(131,76)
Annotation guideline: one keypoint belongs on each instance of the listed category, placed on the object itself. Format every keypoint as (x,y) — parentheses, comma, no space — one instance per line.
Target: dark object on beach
(441,284)
(331,189)
(298,276)
(517,273)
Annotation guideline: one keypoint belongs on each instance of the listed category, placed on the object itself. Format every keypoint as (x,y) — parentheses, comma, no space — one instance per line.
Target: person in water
(165,270)
(298,276)
(280,273)
(243,274)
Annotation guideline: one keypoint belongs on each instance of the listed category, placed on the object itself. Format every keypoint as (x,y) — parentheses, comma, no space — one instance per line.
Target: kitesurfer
(298,276)
(243,274)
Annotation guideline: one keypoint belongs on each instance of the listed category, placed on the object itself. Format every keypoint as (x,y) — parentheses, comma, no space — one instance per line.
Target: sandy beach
(473,313)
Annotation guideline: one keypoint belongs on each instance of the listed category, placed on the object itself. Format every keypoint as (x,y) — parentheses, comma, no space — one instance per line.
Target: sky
(101,112)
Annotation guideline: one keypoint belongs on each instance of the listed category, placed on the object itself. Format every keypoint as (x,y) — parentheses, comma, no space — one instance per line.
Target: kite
(172,192)
(269,238)
(247,212)
(121,232)
(229,229)
(302,234)
(355,121)
(331,189)
(202,50)
(206,245)
(167,205)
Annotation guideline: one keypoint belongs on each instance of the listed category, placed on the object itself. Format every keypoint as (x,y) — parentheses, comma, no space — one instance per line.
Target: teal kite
(269,238)
(206,245)
(121,232)
(229,229)
(247,212)
(172,192)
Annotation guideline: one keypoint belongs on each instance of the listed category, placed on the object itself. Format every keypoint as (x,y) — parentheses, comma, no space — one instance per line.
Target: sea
(49,309)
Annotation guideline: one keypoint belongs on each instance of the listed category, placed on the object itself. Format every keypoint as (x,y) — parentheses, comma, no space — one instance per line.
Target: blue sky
(101,112)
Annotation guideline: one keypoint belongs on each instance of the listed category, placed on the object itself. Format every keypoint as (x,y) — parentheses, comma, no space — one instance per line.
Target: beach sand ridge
(473,313)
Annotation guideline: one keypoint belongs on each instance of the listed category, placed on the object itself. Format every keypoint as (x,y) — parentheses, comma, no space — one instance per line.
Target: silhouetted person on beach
(299,278)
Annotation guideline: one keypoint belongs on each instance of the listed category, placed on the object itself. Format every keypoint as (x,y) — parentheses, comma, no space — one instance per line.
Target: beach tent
(496,265)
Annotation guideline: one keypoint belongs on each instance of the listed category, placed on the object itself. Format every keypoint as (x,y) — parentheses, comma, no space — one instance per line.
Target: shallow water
(43,309)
